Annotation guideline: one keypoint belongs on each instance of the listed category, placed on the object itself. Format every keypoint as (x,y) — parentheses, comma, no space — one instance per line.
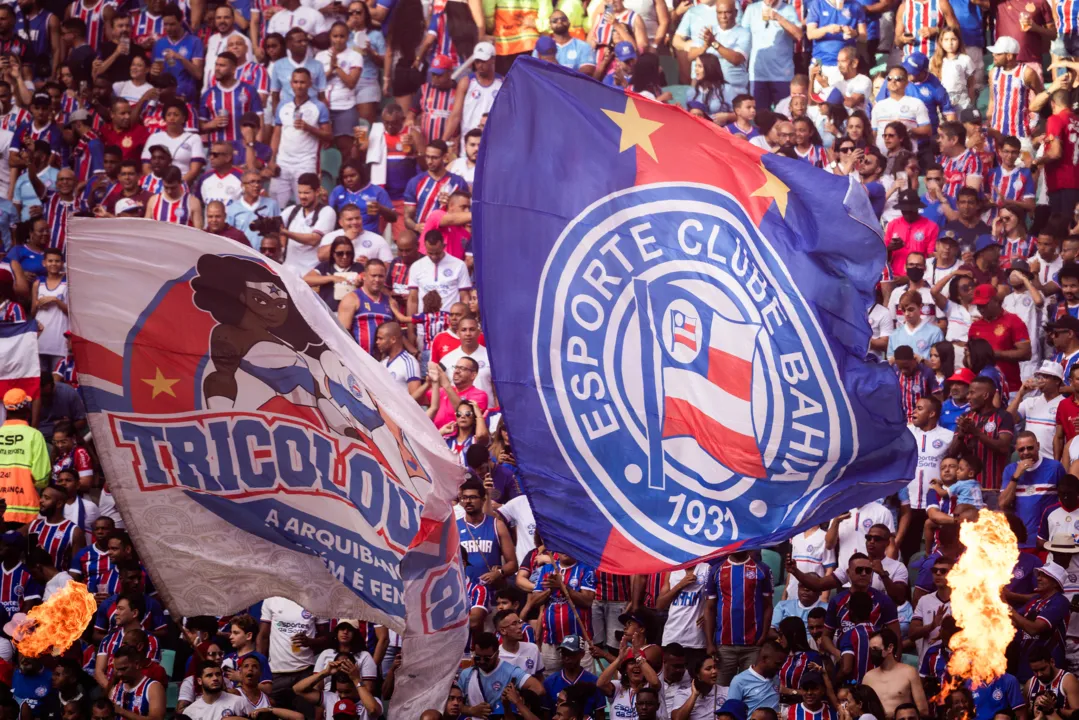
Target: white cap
(483,52)
(1051,367)
(1004,46)
(124,205)
(1054,571)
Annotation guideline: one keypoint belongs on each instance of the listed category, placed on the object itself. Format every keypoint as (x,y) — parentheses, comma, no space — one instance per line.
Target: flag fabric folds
(255,450)
(677,327)
(19,364)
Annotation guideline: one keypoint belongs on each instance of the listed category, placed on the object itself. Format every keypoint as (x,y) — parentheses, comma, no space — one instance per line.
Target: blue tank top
(481,543)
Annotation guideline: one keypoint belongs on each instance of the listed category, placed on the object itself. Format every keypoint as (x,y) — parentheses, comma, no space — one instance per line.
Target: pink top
(447,412)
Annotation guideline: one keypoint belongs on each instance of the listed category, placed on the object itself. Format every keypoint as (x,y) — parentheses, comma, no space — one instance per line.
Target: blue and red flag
(677,326)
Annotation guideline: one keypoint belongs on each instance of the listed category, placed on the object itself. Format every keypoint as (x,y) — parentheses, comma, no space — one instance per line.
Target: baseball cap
(948,237)
(1022,266)
(1065,323)
(344,707)
(546,45)
(625,51)
(626,618)
(1052,369)
(571,644)
(41,98)
(697,105)
(483,52)
(909,198)
(834,97)
(984,242)
(983,294)
(17,399)
(80,115)
(443,63)
(963,375)
(811,677)
(916,63)
(249,119)
(735,708)
(971,115)
(353,623)
(126,205)
(1004,46)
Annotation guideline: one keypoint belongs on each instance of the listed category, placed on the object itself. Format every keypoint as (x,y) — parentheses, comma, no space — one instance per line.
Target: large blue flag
(677,327)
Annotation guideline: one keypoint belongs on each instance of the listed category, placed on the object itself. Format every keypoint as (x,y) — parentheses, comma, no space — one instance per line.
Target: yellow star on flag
(161,384)
(635,129)
(773,188)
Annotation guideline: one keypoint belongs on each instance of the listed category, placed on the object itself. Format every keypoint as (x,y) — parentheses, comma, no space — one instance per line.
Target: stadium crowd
(340,139)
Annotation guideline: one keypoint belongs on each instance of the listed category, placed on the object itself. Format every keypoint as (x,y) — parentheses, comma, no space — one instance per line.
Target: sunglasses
(896,79)
(342,253)
(846,149)
(863,571)
(355,12)
(465,415)
(882,538)
(940,571)
(891,135)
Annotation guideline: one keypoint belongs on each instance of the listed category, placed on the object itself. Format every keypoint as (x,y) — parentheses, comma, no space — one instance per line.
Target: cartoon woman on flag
(263,352)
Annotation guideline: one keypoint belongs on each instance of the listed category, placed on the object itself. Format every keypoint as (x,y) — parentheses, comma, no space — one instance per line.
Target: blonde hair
(937,61)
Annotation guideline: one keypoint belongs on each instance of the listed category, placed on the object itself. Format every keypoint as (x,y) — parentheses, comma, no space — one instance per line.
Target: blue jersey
(855,642)
(54,538)
(1055,610)
(950,412)
(38,35)
(790,675)
(493,683)
(26,134)
(369,315)
(742,591)
(423,190)
(153,619)
(1023,574)
(135,699)
(31,689)
(969,17)
(12,585)
(1001,695)
(481,543)
(824,13)
(341,196)
(1036,492)
(556,683)
(935,662)
(239,99)
(188,47)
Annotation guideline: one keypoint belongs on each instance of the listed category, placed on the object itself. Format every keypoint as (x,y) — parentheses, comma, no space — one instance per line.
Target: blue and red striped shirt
(54,539)
(612,588)
(801,712)
(1010,101)
(12,584)
(369,315)
(423,190)
(93,566)
(790,675)
(855,642)
(239,99)
(558,618)
(743,591)
(956,170)
(94,17)
(436,106)
(883,612)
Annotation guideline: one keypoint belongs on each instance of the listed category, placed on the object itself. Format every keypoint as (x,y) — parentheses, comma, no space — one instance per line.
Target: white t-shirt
(299,148)
(527,657)
(927,607)
(811,556)
(1040,415)
(518,514)
(338,95)
(1047,270)
(299,257)
(954,73)
(304,17)
(130,91)
(226,705)
(882,322)
(403,369)
(483,377)
(460,168)
(852,530)
(58,583)
(1022,304)
(215,45)
(449,278)
(186,148)
(367,244)
(6,136)
(286,619)
(857,85)
(686,609)
(908,110)
(932,446)
(90,513)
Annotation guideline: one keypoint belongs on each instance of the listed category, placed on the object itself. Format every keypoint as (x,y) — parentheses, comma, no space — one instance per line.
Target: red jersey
(445,343)
(1004,333)
(1067,411)
(1063,174)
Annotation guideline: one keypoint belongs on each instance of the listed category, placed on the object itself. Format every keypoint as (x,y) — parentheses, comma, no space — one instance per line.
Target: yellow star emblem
(635,129)
(773,188)
(161,384)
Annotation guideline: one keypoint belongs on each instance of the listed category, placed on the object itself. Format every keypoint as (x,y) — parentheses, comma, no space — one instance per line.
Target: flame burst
(57,623)
(977,606)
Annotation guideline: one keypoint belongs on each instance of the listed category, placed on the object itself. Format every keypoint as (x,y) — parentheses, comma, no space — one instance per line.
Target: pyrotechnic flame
(55,624)
(976,582)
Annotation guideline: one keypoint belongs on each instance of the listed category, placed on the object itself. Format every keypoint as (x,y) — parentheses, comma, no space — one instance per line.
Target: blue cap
(916,63)
(546,45)
(834,97)
(984,242)
(625,51)
(697,105)
(735,708)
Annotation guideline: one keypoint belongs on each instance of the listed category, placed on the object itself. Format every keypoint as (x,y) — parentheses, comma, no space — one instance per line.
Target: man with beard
(213,703)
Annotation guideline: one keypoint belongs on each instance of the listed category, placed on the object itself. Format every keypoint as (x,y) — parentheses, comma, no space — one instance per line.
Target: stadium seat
(915,558)
(172,695)
(911,660)
(330,162)
(679,92)
(168,661)
(774,561)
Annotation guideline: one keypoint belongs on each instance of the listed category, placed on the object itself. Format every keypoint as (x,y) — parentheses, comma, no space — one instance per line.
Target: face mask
(916,274)
(910,216)
(877,656)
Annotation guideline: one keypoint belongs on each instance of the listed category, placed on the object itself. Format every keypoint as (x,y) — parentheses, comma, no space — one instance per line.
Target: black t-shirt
(120,70)
(52,708)
(81,60)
